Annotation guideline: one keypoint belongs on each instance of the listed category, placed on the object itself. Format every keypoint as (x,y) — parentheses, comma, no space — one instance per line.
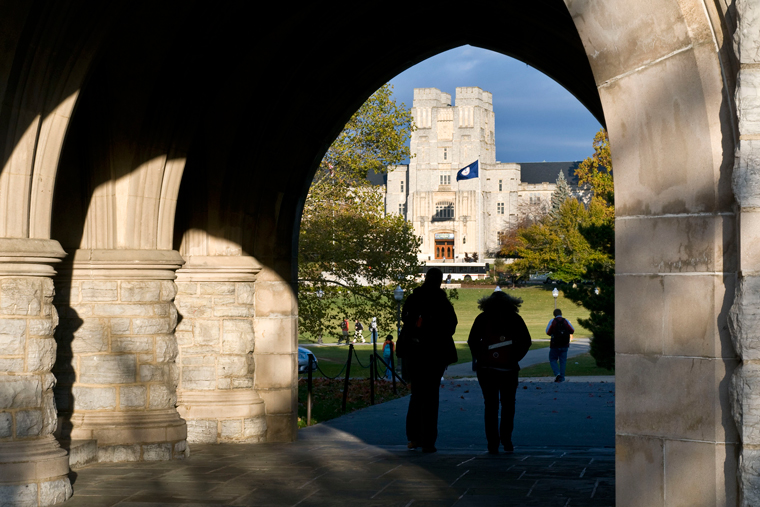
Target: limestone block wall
(745,312)
(670,123)
(117,354)
(33,467)
(216,303)
(276,377)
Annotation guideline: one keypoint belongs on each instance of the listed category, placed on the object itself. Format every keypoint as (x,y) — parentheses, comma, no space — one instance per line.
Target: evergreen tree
(559,196)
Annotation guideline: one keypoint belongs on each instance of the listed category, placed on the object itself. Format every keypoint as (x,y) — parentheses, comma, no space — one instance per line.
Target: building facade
(458,220)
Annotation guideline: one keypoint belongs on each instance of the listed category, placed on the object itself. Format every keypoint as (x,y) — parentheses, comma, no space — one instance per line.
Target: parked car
(303,360)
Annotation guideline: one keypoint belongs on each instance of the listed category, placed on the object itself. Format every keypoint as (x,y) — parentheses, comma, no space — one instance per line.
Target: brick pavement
(353,473)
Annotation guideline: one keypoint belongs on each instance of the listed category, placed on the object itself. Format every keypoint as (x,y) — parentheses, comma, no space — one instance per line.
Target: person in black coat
(427,348)
(498,339)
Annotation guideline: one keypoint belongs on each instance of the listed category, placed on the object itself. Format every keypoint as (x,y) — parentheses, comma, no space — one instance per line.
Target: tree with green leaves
(599,298)
(578,243)
(351,254)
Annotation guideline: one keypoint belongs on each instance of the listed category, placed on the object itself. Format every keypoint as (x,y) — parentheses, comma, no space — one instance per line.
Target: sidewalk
(537,356)
(564,457)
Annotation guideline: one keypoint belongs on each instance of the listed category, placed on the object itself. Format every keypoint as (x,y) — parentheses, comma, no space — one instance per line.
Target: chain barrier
(329,377)
(374,359)
(358,361)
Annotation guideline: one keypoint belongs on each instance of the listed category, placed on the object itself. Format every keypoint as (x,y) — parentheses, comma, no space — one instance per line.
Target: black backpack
(497,349)
(560,333)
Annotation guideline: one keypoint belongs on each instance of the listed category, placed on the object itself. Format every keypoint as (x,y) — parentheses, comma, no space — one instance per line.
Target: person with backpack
(358,329)
(426,346)
(388,348)
(561,331)
(344,330)
(499,339)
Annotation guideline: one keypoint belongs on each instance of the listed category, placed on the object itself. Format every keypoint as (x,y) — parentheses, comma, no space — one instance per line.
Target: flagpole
(480,215)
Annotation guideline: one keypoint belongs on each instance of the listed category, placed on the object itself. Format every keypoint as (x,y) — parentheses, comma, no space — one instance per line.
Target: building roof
(377,179)
(547,172)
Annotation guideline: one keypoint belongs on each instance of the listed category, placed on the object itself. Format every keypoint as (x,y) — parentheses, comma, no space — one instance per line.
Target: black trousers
(422,417)
(498,386)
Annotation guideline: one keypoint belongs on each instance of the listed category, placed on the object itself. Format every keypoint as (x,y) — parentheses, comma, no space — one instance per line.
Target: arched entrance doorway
(141,114)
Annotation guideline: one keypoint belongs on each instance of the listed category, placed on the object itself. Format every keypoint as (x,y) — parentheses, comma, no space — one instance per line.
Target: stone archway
(114,116)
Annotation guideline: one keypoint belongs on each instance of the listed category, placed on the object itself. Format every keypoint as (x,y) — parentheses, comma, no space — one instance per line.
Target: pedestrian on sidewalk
(499,339)
(358,329)
(427,347)
(344,330)
(373,329)
(388,348)
(561,331)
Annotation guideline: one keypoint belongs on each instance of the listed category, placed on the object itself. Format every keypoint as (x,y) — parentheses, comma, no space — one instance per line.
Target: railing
(373,365)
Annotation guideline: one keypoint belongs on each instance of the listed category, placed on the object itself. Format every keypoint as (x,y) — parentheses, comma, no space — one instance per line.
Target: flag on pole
(469,172)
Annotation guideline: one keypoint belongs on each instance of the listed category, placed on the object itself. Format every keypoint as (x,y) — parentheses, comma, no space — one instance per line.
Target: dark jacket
(438,322)
(508,322)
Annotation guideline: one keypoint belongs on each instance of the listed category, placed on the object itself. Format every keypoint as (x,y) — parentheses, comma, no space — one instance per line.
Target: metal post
(309,391)
(398,320)
(348,374)
(372,371)
(393,373)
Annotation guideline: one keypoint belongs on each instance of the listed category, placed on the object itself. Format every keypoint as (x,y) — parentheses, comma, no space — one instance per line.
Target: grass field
(578,366)
(332,359)
(537,308)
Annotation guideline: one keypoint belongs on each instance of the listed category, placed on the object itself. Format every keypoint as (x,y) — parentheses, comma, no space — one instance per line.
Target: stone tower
(454,218)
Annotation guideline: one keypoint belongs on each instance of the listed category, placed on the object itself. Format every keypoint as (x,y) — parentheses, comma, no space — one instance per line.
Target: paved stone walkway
(563,457)
(352,473)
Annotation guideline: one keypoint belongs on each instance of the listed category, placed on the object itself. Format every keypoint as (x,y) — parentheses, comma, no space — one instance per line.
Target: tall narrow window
(444,179)
(402,186)
(500,208)
(500,186)
(445,154)
(444,211)
(402,209)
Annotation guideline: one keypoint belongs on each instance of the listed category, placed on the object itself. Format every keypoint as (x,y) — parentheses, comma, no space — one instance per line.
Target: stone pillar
(745,312)
(276,354)
(33,467)
(117,351)
(216,392)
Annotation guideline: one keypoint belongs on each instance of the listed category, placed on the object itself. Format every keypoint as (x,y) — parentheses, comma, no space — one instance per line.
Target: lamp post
(596,291)
(555,293)
(398,295)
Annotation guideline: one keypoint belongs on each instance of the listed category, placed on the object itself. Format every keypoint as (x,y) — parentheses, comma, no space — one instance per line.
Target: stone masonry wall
(27,407)
(745,313)
(117,369)
(216,343)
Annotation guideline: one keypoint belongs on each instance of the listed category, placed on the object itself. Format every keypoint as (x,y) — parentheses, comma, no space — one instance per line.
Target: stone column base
(33,473)
(133,436)
(223,416)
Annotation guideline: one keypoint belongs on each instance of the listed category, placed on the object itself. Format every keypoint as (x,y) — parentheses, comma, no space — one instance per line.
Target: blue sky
(536,119)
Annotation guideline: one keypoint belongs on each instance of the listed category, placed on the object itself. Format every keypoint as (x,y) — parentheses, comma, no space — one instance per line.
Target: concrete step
(81,452)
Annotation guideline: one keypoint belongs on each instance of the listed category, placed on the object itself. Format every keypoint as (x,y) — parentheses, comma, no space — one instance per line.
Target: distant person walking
(561,331)
(427,347)
(388,348)
(358,329)
(499,339)
(373,329)
(344,330)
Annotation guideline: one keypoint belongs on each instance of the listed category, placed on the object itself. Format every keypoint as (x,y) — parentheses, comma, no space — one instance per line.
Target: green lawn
(331,359)
(578,366)
(537,308)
